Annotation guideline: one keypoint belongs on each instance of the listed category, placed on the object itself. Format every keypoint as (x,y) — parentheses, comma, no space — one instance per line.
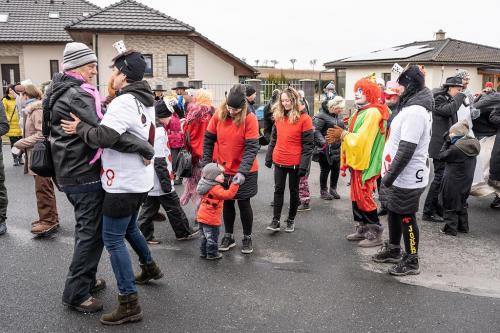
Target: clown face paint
(359,97)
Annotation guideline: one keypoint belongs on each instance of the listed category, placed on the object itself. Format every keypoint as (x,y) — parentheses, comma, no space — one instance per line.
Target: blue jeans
(114,231)
(209,240)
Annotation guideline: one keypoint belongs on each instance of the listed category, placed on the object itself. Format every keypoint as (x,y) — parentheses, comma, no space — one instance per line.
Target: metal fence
(267,88)
(218,90)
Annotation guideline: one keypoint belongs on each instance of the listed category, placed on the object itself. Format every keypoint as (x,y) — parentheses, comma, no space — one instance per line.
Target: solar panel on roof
(392,53)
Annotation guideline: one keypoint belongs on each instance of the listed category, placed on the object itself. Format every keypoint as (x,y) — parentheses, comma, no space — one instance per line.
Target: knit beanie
(163,110)
(460,129)
(249,91)
(412,74)
(211,171)
(463,74)
(236,97)
(132,64)
(77,55)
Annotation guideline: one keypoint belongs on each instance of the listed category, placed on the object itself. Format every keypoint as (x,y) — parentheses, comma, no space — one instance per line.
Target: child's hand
(239,179)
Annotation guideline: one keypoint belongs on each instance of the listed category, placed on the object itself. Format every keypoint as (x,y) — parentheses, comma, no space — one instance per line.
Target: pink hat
(488,85)
(392,88)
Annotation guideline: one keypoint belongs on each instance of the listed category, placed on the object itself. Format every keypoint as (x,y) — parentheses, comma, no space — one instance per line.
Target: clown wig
(373,95)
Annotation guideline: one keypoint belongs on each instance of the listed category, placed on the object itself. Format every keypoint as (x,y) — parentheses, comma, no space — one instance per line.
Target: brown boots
(148,272)
(129,310)
(359,234)
(368,235)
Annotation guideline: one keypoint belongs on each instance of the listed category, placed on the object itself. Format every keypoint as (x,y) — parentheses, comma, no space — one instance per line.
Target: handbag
(184,163)
(41,157)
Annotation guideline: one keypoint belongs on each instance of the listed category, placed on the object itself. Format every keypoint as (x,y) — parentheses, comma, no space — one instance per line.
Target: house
(441,58)
(173,50)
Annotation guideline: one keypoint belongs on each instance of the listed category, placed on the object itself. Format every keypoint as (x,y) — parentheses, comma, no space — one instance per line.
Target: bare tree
(274,62)
(293,61)
(313,63)
(257,62)
(264,63)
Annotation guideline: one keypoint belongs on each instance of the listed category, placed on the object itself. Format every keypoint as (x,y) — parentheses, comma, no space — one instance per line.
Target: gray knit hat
(77,55)
(211,171)
(460,129)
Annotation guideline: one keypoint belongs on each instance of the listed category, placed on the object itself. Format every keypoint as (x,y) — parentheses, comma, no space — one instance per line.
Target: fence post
(195,84)
(256,84)
(308,87)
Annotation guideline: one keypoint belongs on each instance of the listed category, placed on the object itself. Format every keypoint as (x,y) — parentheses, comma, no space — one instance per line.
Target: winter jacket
(251,107)
(495,154)
(444,116)
(196,128)
(12,114)
(4,125)
(268,122)
(210,210)
(486,103)
(460,159)
(70,154)
(322,122)
(32,131)
(174,131)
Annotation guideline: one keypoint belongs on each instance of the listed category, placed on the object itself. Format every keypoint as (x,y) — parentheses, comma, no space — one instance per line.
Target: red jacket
(210,210)
(174,132)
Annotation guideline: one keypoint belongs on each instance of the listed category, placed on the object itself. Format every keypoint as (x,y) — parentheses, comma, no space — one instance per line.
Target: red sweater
(288,148)
(211,204)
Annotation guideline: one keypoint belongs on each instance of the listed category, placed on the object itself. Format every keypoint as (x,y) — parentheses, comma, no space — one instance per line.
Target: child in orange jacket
(209,213)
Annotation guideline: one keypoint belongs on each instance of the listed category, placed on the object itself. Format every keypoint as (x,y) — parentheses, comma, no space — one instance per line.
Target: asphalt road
(312,280)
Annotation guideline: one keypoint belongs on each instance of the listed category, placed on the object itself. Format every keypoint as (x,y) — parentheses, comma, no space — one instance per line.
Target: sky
(328,30)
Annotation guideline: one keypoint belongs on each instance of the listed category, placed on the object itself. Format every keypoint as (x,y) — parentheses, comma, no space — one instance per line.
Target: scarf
(205,185)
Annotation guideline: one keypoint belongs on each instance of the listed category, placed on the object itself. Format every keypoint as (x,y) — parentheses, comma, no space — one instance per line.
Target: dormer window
(54,15)
(4,17)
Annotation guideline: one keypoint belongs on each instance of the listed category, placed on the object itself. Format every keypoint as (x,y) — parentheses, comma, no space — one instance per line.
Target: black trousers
(325,170)
(405,225)
(175,213)
(432,205)
(88,246)
(246,215)
(280,175)
(3,191)
(456,220)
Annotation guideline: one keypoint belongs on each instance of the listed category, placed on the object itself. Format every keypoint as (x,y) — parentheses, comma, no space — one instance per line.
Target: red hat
(488,85)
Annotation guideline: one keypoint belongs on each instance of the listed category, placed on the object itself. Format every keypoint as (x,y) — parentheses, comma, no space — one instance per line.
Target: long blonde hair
(279,110)
(238,119)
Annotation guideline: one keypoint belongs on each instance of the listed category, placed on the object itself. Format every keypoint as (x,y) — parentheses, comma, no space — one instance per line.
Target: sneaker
(290,225)
(90,305)
(325,195)
(274,225)
(407,266)
(153,241)
(304,207)
(448,231)
(496,202)
(388,253)
(3,228)
(214,257)
(247,245)
(191,236)
(333,192)
(432,218)
(227,243)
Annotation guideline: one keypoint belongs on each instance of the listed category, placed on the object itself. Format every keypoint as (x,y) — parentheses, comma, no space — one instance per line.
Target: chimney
(440,35)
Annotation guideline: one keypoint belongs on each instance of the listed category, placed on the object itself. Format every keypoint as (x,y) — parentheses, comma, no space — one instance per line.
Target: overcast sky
(328,30)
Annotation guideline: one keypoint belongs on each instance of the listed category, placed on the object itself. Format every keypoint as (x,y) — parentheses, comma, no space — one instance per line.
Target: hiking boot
(129,310)
(304,207)
(90,305)
(247,247)
(3,228)
(100,284)
(148,272)
(274,225)
(359,234)
(214,257)
(407,266)
(325,195)
(388,253)
(159,217)
(373,236)
(496,202)
(333,192)
(290,225)
(227,243)
(43,228)
(432,218)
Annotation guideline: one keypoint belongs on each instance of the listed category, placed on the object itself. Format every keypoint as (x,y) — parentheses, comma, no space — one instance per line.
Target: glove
(269,164)
(239,178)
(302,172)
(387,180)
(333,135)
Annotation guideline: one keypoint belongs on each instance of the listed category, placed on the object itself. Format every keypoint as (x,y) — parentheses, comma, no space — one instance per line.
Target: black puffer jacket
(486,103)
(322,122)
(70,154)
(495,154)
(444,116)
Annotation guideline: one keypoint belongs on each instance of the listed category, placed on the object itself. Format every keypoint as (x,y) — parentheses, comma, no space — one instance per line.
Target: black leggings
(326,168)
(405,225)
(246,215)
(279,191)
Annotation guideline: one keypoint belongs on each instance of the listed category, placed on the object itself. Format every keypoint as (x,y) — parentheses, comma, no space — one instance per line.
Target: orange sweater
(211,204)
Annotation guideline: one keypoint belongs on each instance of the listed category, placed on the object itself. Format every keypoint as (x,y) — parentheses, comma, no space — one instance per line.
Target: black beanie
(236,97)
(162,110)
(132,64)
(249,91)
(412,74)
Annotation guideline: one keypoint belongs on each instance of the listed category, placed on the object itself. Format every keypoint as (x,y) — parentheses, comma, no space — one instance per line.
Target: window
(177,65)
(54,15)
(4,17)
(149,65)
(54,67)
(340,81)
(386,77)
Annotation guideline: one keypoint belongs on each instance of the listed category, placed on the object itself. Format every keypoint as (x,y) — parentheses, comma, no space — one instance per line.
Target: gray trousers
(88,246)
(3,191)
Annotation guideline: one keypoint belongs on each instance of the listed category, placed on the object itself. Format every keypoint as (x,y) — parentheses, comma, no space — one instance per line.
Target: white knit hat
(76,55)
